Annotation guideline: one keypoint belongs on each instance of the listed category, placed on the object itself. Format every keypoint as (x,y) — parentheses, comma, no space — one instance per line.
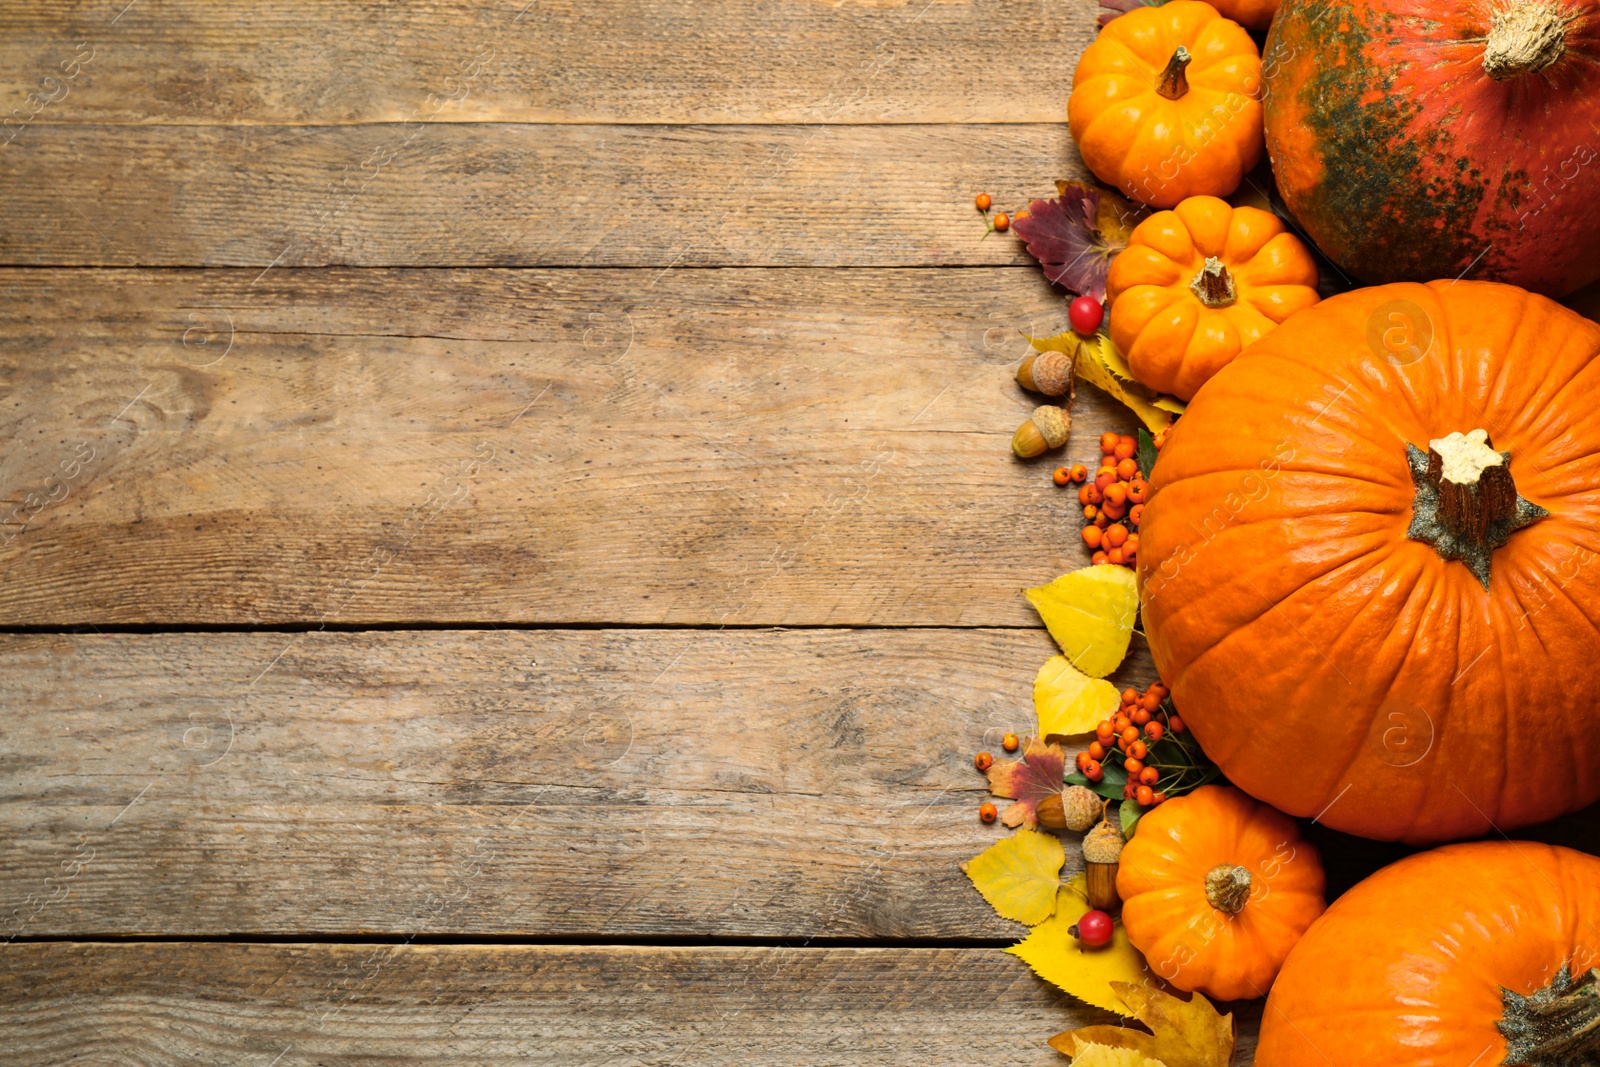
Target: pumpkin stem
(1214,285)
(1466,504)
(1228,887)
(1525,38)
(1173,84)
(1557,1026)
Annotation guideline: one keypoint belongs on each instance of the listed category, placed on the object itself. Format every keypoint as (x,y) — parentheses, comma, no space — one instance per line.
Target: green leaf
(1130,812)
(1147,452)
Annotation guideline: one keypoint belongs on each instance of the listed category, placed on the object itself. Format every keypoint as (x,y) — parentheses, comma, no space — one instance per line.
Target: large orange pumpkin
(1418,139)
(1216,889)
(1166,103)
(1370,564)
(1477,954)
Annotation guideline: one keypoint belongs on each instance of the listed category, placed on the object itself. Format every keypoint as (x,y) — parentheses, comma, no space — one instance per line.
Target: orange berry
(1159,688)
(1002,222)
(983,761)
(1104,732)
(1139,716)
(1091,494)
(1114,555)
(1116,493)
(1154,731)
(1138,749)
(1175,724)
(1136,514)
(1101,519)
(1104,478)
(1132,544)
(1130,695)
(1127,470)
(1098,558)
(1093,771)
(1133,766)
(1010,742)
(1097,750)
(1116,511)
(1019,215)
(1090,511)
(987,812)
(1144,795)
(1150,701)
(983,201)
(1120,723)
(1126,448)
(1092,536)
(1149,776)
(1116,535)
(1160,439)
(1137,489)
(1061,476)
(1157,799)
(1108,443)
(1078,473)
(1130,734)
(1081,759)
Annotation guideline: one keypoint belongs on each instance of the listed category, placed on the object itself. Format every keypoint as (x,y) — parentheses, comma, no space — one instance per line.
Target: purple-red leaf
(1075,235)
(1110,9)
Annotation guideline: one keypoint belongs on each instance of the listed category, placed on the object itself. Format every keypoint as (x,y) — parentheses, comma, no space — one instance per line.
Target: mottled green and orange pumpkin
(1370,564)
(1422,139)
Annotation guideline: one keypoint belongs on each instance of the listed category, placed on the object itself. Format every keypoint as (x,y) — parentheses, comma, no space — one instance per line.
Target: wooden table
(510,541)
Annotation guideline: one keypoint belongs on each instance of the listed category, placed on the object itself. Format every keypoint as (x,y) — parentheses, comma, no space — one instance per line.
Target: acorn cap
(1048,372)
(1080,807)
(1103,844)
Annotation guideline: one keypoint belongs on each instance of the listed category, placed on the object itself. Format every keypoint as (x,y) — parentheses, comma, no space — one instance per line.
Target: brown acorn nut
(1074,808)
(1049,373)
(1102,851)
(1046,429)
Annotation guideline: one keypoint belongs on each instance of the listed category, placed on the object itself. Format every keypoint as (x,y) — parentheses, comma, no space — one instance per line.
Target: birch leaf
(1019,875)
(1090,612)
(1087,973)
(1069,702)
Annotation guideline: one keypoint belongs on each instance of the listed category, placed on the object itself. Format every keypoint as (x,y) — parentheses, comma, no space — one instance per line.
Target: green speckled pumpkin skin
(1405,161)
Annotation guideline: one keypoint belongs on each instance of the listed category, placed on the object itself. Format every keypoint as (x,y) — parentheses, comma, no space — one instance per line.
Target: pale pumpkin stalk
(1173,85)
(1466,503)
(1214,286)
(1525,38)
(1557,1026)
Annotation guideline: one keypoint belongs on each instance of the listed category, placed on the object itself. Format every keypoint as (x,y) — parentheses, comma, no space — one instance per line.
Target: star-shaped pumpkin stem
(1466,504)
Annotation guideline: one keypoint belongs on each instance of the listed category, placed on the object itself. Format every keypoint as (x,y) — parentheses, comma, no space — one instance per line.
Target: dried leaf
(1088,1054)
(1110,9)
(1182,1034)
(1089,974)
(1090,612)
(1019,875)
(1038,774)
(1075,235)
(1070,702)
(1097,361)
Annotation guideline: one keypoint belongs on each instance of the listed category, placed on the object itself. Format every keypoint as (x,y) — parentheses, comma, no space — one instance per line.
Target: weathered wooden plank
(487,194)
(202,61)
(762,447)
(814,783)
(492,1005)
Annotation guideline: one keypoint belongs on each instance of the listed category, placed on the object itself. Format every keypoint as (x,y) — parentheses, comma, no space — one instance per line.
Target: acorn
(1049,373)
(1046,429)
(1074,808)
(1102,850)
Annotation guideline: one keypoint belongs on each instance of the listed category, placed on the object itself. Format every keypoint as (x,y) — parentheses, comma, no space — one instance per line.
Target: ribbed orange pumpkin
(1366,611)
(1425,962)
(1166,103)
(1200,282)
(1216,889)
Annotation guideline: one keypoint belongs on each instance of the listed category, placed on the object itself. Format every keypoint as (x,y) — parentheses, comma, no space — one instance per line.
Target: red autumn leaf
(1075,235)
(1038,774)
(1110,9)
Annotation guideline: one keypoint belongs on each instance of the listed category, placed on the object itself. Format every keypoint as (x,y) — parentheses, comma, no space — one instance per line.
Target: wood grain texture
(801,784)
(488,194)
(813,61)
(396,1006)
(754,447)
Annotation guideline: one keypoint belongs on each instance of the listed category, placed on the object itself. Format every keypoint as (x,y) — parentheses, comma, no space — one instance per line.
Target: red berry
(1175,724)
(1093,928)
(1085,314)
(1093,771)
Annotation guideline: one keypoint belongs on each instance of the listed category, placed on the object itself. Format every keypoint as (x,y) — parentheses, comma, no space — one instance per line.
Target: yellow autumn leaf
(1098,362)
(1087,973)
(1090,612)
(1088,1054)
(1019,875)
(1068,701)
(1182,1033)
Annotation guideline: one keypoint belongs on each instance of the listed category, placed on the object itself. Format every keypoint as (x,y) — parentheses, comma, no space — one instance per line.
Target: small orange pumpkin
(1472,954)
(1166,103)
(1199,283)
(1251,14)
(1216,890)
